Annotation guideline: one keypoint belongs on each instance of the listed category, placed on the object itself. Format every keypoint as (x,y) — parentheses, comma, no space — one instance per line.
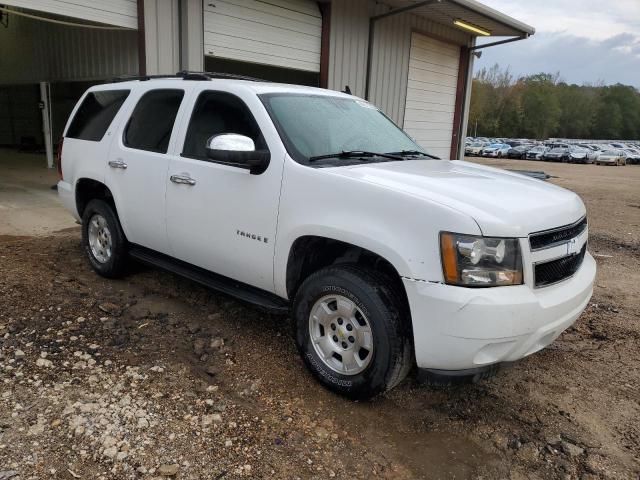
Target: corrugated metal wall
(391,47)
(21,58)
(33,51)
(162,36)
(79,53)
(348,51)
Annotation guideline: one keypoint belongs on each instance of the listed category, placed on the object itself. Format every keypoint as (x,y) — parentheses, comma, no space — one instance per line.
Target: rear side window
(152,120)
(96,114)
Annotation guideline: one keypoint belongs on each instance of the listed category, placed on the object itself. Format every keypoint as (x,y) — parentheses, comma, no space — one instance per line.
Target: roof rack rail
(188,75)
(127,78)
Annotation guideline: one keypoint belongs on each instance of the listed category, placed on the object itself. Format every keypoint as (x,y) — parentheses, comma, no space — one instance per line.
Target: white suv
(313,202)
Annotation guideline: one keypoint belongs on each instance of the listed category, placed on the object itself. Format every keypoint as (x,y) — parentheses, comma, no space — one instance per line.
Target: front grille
(549,238)
(548,273)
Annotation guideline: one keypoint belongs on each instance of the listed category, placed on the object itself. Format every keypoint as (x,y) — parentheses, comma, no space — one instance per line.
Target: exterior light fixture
(471,28)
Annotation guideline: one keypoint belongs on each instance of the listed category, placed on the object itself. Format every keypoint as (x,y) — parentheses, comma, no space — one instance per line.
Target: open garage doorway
(47,61)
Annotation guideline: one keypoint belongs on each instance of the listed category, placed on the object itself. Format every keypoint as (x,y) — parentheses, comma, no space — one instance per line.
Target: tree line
(542,106)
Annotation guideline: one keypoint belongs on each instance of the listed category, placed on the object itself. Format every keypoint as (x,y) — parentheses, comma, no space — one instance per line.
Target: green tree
(540,106)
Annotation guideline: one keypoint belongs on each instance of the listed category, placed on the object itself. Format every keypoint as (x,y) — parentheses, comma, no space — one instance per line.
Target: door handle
(183,179)
(117,164)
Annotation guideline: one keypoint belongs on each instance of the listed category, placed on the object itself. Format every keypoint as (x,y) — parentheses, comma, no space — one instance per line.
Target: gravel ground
(155,377)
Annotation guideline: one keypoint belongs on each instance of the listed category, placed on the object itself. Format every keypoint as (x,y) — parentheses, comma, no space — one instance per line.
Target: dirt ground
(155,377)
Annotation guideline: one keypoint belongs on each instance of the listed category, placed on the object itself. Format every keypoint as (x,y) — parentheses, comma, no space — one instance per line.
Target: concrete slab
(28,205)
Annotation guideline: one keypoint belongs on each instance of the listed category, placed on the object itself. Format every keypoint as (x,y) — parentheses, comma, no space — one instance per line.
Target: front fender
(399,227)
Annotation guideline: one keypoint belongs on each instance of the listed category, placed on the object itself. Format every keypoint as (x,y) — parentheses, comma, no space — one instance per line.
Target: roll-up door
(121,13)
(283,33)
(431,93)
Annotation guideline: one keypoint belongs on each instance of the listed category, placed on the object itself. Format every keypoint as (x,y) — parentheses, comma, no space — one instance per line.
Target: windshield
(316,125)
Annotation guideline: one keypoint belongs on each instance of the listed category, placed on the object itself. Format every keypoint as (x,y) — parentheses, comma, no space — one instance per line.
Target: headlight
(474,261)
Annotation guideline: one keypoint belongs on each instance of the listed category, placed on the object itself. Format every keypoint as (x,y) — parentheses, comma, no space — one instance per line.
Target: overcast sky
(587,41)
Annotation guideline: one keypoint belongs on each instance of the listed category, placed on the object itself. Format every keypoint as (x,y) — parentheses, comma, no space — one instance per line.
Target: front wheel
(352,331)
(103,239)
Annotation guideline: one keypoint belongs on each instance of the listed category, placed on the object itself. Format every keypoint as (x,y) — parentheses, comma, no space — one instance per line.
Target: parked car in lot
(225,181)
(579,154)
(557,145)
(496,150)
(593,152)
(632,156)
(557,154)
(612,157)
(518,152)
(474,149)
(536,152)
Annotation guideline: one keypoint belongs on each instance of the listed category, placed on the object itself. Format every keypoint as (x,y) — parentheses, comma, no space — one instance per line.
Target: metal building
(411,58)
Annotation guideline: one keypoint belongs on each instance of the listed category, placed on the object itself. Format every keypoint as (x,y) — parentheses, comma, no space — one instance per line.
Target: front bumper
(458,328)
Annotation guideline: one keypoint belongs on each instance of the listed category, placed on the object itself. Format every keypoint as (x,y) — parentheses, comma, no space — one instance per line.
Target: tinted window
(215,113)
(96,114)
(152,120)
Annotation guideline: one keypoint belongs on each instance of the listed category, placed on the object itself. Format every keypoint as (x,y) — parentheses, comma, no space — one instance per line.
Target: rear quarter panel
(85,158)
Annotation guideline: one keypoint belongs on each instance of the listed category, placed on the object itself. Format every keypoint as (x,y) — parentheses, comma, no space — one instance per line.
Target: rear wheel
(103,239)
(352,331)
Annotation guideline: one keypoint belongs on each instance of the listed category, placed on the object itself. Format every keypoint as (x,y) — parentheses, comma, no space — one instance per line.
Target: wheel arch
(310,253)
(87,189)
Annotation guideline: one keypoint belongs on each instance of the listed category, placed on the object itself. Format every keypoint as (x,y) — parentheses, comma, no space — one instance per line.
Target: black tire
(115,266)
(388,318)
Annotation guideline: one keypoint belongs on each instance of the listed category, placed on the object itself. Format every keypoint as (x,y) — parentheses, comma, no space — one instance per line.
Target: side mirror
(237,151)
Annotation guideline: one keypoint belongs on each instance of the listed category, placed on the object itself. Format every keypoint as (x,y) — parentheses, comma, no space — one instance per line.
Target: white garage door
(283,33)
(431,93)
(122,13)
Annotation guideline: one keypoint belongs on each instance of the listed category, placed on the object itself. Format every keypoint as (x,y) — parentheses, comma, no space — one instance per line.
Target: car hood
(502,203)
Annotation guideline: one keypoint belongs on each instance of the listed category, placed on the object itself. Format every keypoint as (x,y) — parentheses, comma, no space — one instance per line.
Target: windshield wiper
(412,153)
(355,154)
